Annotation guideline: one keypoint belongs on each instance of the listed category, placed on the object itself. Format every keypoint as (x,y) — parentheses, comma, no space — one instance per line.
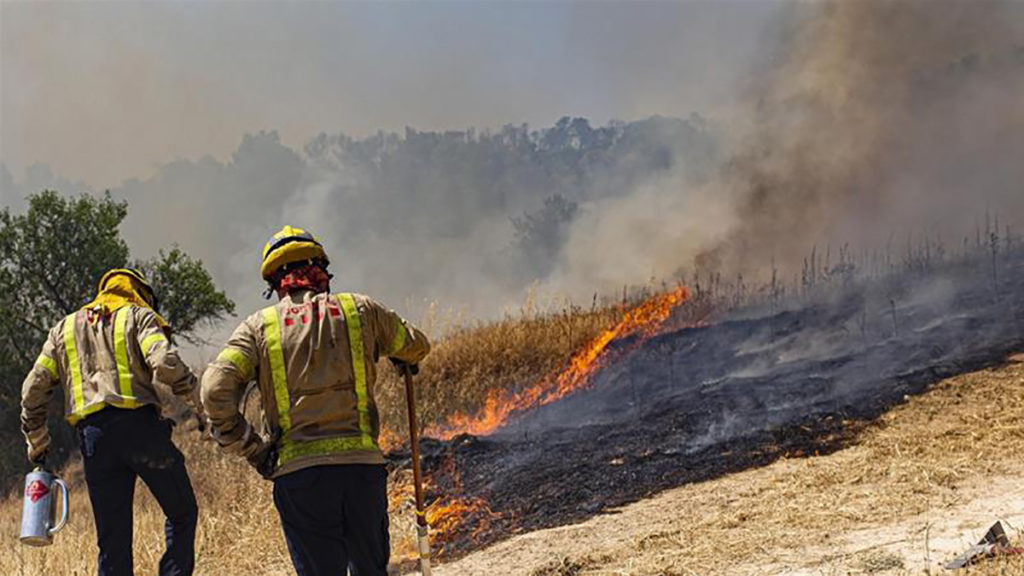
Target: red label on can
(36,491)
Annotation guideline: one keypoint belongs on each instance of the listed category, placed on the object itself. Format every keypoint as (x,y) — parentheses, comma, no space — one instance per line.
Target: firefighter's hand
(264,459)
(401,366)
(201,420)
(195,404)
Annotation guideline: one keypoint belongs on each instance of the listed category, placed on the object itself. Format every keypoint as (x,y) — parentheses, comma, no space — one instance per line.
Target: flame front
(448,514)
(643,321)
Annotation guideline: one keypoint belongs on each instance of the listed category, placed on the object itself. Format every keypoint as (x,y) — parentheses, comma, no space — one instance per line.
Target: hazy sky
(103,91)
(841,123)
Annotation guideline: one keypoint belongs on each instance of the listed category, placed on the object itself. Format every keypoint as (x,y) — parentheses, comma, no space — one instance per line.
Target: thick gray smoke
(863,119)
(880,118)
(466,220)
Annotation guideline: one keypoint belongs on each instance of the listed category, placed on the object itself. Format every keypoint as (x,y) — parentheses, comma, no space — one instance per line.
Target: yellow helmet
(288,246)
(145,289)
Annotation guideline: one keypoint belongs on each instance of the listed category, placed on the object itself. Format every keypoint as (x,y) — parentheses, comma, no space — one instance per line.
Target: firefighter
(106,356)
(314,355)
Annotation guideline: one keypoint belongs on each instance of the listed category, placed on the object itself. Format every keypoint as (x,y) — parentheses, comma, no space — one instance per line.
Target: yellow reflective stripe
(71,349)
(293,450)
(355,339)
(272,331)
(152,340)
(48,363)
(399,341)
(82,413)
(238,360)
(124,369)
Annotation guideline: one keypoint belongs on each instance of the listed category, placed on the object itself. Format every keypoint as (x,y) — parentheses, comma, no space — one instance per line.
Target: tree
(541,234)
(188,297)
(51,258)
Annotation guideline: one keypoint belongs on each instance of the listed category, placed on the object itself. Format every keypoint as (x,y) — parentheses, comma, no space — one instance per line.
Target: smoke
(151,100)
(879,118)
(464,220)
(860,119)
(104,91)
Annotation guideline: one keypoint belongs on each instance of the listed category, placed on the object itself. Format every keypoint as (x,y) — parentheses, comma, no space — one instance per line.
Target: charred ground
(780,380)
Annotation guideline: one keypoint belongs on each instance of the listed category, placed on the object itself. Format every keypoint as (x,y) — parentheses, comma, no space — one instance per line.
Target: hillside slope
(918,486)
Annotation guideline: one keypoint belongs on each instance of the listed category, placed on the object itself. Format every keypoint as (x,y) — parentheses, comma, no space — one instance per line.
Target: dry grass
(239,531)
(512,354)
(919,457)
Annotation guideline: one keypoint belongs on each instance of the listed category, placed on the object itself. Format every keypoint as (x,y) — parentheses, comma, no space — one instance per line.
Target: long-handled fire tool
(423,537)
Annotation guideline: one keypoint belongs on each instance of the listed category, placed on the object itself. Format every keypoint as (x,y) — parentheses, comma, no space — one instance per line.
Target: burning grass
(915,487)
(775,508)
(642,322)
(239,532)
(471,363)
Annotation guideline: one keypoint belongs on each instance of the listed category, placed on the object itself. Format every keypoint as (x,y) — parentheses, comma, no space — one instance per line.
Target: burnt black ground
(698,403)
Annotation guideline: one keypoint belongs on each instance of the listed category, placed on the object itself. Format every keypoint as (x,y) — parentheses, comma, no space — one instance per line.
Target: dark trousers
(335,519)
(118,446)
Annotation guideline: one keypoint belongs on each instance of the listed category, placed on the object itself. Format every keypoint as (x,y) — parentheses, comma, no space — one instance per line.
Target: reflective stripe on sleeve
(47,363)
(355,338)
(239,361)
(272,332)
(152,340)
(124,368)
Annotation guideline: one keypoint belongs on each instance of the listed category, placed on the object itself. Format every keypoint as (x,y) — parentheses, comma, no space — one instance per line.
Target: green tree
(51,258)
(188,298)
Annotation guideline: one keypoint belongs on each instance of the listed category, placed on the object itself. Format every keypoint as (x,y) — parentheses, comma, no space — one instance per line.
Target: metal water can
(39,511)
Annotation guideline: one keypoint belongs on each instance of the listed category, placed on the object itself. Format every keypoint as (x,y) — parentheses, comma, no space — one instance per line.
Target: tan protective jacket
(315,358)
(101,360)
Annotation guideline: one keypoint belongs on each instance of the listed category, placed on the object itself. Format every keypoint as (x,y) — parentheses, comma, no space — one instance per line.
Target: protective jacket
(101,359)
(314,356)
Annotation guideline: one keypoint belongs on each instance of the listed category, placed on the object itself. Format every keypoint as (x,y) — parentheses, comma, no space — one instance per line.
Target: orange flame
(645,321)
(388,440)
(447,514)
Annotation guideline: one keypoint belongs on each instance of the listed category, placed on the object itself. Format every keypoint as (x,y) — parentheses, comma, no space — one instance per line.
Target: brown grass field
(906,478)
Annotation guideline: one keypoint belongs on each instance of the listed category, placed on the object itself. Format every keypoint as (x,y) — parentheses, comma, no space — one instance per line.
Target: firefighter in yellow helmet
(106,356)
(314,355)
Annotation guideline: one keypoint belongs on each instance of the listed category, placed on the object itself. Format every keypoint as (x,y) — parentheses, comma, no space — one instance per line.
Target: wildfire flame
(388,440)
(454,513)
(643,321)
(449,514)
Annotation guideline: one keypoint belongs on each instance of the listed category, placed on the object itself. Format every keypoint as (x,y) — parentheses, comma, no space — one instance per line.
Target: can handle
(64,507)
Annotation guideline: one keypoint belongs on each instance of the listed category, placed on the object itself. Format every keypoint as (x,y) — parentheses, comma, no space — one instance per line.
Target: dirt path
(921,486)
(919,543)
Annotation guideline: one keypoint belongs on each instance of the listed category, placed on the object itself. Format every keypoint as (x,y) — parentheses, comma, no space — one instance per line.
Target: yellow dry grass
(511,353)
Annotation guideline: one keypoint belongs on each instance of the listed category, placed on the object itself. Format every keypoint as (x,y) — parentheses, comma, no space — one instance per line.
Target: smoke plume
(860,121)
(880,118)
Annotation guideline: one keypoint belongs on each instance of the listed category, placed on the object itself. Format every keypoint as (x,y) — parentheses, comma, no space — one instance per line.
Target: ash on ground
(767,382)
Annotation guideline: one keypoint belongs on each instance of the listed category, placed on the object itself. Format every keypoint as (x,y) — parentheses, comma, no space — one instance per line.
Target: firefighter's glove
(195,403)
(401,366)
(260,454)
(264,460)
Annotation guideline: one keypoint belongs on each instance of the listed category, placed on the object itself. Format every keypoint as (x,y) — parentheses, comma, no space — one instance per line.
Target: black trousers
(335,519)
(118,446)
